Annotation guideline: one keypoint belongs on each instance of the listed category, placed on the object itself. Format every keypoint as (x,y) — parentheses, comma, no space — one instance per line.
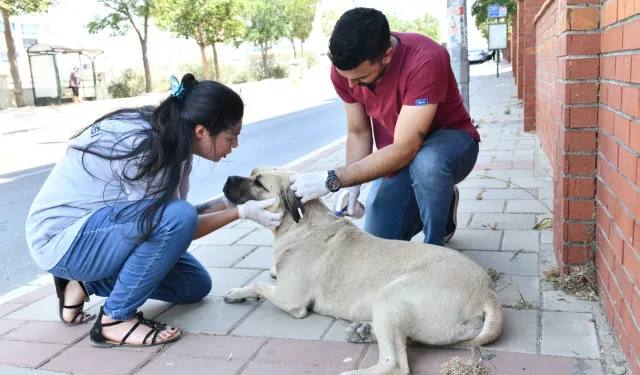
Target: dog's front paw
(359,332)
(232,296)
(272,273)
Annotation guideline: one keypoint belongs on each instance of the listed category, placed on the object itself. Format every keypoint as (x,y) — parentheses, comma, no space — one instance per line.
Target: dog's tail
(493,323)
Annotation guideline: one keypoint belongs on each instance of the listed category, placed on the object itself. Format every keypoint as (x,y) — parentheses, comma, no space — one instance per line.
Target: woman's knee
(180,216)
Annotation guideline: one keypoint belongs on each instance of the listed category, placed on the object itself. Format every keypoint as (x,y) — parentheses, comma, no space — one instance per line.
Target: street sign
(497,36)
(497,11)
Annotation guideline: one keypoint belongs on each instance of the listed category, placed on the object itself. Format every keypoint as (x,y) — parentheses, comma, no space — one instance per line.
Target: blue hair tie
(176,88)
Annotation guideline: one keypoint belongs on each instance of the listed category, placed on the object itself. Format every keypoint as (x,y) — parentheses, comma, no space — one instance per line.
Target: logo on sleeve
(422,101)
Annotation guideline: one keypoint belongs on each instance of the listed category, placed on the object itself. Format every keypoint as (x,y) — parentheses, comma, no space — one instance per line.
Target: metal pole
(458,46)
(497,63)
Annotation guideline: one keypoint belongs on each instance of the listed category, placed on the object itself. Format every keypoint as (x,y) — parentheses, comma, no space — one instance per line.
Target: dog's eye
(259,184)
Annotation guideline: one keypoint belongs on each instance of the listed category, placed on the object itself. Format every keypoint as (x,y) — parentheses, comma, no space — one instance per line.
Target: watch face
(333,183)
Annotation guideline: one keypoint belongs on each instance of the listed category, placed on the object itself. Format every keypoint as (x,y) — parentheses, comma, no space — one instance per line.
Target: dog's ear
(292,204)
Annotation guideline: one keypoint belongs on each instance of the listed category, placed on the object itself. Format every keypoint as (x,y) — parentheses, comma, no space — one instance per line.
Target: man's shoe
(452,221)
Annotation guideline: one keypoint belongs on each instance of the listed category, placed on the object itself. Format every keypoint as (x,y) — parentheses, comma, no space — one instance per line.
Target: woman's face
(218,147)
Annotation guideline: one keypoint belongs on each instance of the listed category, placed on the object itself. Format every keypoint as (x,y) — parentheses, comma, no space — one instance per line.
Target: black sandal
(98,340)
(61,285)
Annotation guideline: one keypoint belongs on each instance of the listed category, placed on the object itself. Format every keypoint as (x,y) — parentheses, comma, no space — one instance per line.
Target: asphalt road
(274,141)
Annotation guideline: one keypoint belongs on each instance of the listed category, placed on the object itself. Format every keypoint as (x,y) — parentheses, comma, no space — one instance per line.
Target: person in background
(74,83)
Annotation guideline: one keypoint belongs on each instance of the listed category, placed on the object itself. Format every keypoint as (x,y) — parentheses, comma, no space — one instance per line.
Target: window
(4,57)
(13,27)
(29,42)
(28,29)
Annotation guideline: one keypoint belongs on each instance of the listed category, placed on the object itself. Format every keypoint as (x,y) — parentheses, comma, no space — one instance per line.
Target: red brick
(581,164)
(627,162)
(635,67)
(605,118)
(86,360)
(603,219)
(27,354)
(621,9)
(581,210)
(583,44)
(623,68)
(585,18)
(580,141)
(621,128)
(630,96)
(609,12)
(575,254)
(580,187)
(634,135)
(609,148)
(617,244)
(577,232)
(630,35)
(624,281)
(582,93)
(625,223)
(614,289)
(636,236)
(583,117)
(628,8)
(608,67)
(612,39)
(614,96)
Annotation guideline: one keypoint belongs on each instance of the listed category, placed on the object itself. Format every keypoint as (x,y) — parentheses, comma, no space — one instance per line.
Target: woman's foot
(74,295)
(115,333)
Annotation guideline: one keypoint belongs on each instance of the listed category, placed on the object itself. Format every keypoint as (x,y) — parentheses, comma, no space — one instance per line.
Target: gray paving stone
(537,182)
(223,236)
(336,332)
(476,239)
(505,174)
(224,279)
(524,264)
(475,183)
(11,370)
(269,321)
(261,257)
(510,287)
(475,206)
(264,277)
(469,194)
(248,224)
(509,194)
(556,300)
(569,334)
(546,236)
(463,220)
(503,221)
(211,315)
(546,193)
(498,153)
(46,309)
(528,206)
(520,332)
(261,237)
(512,158)
(524,152)
(525,240)
(221,256)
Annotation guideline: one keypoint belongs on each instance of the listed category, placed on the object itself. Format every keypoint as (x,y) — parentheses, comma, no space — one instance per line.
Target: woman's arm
(211,206)
(210,222)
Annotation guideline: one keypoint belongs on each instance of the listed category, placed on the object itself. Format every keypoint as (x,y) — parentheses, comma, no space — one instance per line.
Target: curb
(295,165)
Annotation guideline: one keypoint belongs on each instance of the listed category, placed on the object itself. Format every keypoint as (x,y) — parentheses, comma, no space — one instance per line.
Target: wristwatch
(333,182)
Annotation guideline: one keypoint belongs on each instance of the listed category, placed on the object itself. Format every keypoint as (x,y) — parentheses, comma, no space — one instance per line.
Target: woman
(112,218)
(74,84)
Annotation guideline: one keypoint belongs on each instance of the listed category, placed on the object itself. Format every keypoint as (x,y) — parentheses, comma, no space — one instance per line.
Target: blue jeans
(419,196)
(106,257)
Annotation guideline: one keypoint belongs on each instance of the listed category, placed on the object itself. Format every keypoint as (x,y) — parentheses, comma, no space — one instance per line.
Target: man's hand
(309,186)
(354,193)
(257,211)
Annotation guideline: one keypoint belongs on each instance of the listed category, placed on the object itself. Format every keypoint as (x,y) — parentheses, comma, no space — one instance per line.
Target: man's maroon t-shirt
(419,73)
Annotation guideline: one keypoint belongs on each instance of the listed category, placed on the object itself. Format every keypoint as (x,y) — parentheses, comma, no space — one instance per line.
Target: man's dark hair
(361,34)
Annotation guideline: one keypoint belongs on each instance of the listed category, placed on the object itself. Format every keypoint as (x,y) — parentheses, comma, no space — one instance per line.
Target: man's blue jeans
(106,258)
(419,196)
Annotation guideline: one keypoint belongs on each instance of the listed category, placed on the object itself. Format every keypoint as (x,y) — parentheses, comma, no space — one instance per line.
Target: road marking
(29,174)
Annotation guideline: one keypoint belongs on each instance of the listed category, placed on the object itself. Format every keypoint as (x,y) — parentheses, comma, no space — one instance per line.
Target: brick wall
(585,77)
(618,209)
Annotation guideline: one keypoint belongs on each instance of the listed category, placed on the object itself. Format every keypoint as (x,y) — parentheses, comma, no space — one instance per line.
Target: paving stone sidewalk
(506,195)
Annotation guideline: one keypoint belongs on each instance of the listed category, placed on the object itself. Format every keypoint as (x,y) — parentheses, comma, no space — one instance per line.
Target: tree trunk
(215,61)
(293,44)
(147,70)
(265,62)
(205,64)
(13,66)
(301,58)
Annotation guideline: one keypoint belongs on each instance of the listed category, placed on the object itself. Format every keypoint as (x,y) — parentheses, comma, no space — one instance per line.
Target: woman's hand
(257,211)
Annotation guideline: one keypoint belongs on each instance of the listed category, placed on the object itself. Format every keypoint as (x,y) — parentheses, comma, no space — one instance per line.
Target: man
(398,88)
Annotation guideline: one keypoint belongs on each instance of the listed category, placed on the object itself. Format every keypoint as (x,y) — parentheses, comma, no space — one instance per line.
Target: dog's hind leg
(392,341)
(295,305)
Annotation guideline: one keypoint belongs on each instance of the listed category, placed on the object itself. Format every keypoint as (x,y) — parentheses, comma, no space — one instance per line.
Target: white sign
(497,36)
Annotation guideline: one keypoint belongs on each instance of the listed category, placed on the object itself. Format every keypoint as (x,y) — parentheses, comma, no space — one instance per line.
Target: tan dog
(390,290)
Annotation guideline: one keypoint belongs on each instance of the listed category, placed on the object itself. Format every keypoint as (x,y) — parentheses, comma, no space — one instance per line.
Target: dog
(392,291)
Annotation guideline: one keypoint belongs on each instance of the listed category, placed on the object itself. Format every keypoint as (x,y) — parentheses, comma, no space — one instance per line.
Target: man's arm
(411,130)
(359,133)
(211,206)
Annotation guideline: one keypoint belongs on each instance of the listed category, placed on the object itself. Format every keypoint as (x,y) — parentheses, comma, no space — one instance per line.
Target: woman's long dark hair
(159,151)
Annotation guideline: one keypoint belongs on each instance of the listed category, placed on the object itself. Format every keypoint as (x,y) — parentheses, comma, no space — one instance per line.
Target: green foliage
(427,25)
(16,7)
(130,83)
(123,15)
(329,19)
(277,67)
(312,59)
(480,10)
(300,14)
(267,25)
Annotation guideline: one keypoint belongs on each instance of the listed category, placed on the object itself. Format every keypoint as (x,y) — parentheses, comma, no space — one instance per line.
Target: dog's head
(265,183)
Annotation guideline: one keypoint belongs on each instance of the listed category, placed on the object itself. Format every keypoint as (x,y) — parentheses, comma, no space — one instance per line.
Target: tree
(428,25)
(266,26)
(14,8)
(126,15)
(328,21)
(301,14)
(480,10)
(225,24)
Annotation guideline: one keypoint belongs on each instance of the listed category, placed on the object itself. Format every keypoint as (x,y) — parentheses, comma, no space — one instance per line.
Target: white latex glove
(257,211)
(227,202)
(309,186)
(354,193)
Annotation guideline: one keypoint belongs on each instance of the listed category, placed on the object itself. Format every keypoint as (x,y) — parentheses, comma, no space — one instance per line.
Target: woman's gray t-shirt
(71,194)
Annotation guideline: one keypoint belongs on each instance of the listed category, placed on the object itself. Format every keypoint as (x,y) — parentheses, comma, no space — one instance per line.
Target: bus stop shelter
(50,67)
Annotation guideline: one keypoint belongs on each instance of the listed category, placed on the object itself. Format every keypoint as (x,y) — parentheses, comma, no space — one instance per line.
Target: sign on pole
(497,36)
(497,11)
